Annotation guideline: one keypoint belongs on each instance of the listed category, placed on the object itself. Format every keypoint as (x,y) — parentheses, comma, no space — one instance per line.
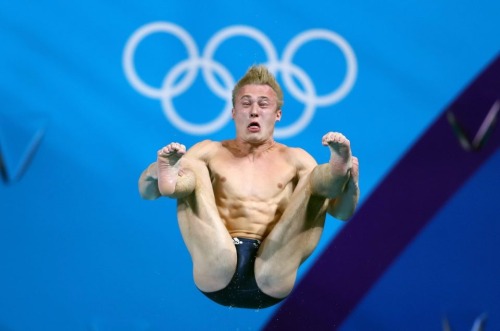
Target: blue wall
(79,250)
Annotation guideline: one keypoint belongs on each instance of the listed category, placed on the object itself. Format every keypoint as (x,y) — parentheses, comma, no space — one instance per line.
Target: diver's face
(255,113)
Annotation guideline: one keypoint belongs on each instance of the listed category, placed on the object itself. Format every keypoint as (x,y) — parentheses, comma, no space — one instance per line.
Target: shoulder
(205,145)
(299,157)
(204,150)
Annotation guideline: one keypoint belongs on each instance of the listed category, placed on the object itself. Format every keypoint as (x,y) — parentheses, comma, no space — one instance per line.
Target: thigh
(205,235)
(291,241)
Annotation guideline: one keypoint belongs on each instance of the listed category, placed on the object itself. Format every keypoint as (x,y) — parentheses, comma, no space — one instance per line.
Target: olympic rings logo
(188,69)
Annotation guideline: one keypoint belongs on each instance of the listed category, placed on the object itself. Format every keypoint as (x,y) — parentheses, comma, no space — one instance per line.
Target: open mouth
(254,126)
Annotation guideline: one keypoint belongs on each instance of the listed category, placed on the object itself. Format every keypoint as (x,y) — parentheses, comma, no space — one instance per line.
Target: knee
(213,273)
(274,283)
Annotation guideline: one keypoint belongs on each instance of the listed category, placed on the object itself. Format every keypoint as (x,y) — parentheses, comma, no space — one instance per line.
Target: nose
(253,111)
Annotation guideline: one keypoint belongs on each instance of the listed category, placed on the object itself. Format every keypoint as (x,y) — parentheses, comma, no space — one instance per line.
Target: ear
(232,113)
(278,115)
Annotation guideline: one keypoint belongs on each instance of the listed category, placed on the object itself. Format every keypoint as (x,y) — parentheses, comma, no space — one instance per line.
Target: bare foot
(340,148)
(168,163)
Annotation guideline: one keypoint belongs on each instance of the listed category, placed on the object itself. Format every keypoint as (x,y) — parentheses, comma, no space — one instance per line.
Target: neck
(253,148)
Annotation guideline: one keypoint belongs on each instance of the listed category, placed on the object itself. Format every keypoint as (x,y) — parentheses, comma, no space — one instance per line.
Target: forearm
(148,183)
(344,205)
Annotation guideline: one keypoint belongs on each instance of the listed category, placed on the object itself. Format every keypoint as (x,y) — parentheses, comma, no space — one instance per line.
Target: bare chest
(262,178)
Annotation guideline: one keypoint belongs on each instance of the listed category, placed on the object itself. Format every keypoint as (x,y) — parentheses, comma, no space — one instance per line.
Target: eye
(245,101)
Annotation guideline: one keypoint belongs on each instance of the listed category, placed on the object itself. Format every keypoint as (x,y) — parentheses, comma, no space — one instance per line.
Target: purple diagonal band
(407,199)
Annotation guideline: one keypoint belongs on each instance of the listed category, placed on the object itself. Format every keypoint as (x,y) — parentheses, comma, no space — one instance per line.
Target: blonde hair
(259,75)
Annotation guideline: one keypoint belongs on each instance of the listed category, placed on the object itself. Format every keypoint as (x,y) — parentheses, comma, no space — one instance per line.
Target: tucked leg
(207,239)
(290,242)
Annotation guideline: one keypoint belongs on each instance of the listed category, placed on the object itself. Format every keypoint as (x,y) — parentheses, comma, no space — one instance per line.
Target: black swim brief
(242,291)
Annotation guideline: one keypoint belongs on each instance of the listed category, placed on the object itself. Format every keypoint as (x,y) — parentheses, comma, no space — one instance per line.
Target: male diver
(250,209)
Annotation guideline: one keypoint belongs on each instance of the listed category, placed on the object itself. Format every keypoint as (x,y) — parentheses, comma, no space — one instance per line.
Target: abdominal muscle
(251,194)
(252,217)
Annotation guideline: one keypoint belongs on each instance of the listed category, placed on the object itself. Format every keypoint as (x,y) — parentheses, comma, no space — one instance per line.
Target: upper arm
(202,151)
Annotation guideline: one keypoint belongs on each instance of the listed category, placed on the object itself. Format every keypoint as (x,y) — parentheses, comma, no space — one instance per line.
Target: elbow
(343,217)
(148,192)
(145,195)
(343,213)
(148,197)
